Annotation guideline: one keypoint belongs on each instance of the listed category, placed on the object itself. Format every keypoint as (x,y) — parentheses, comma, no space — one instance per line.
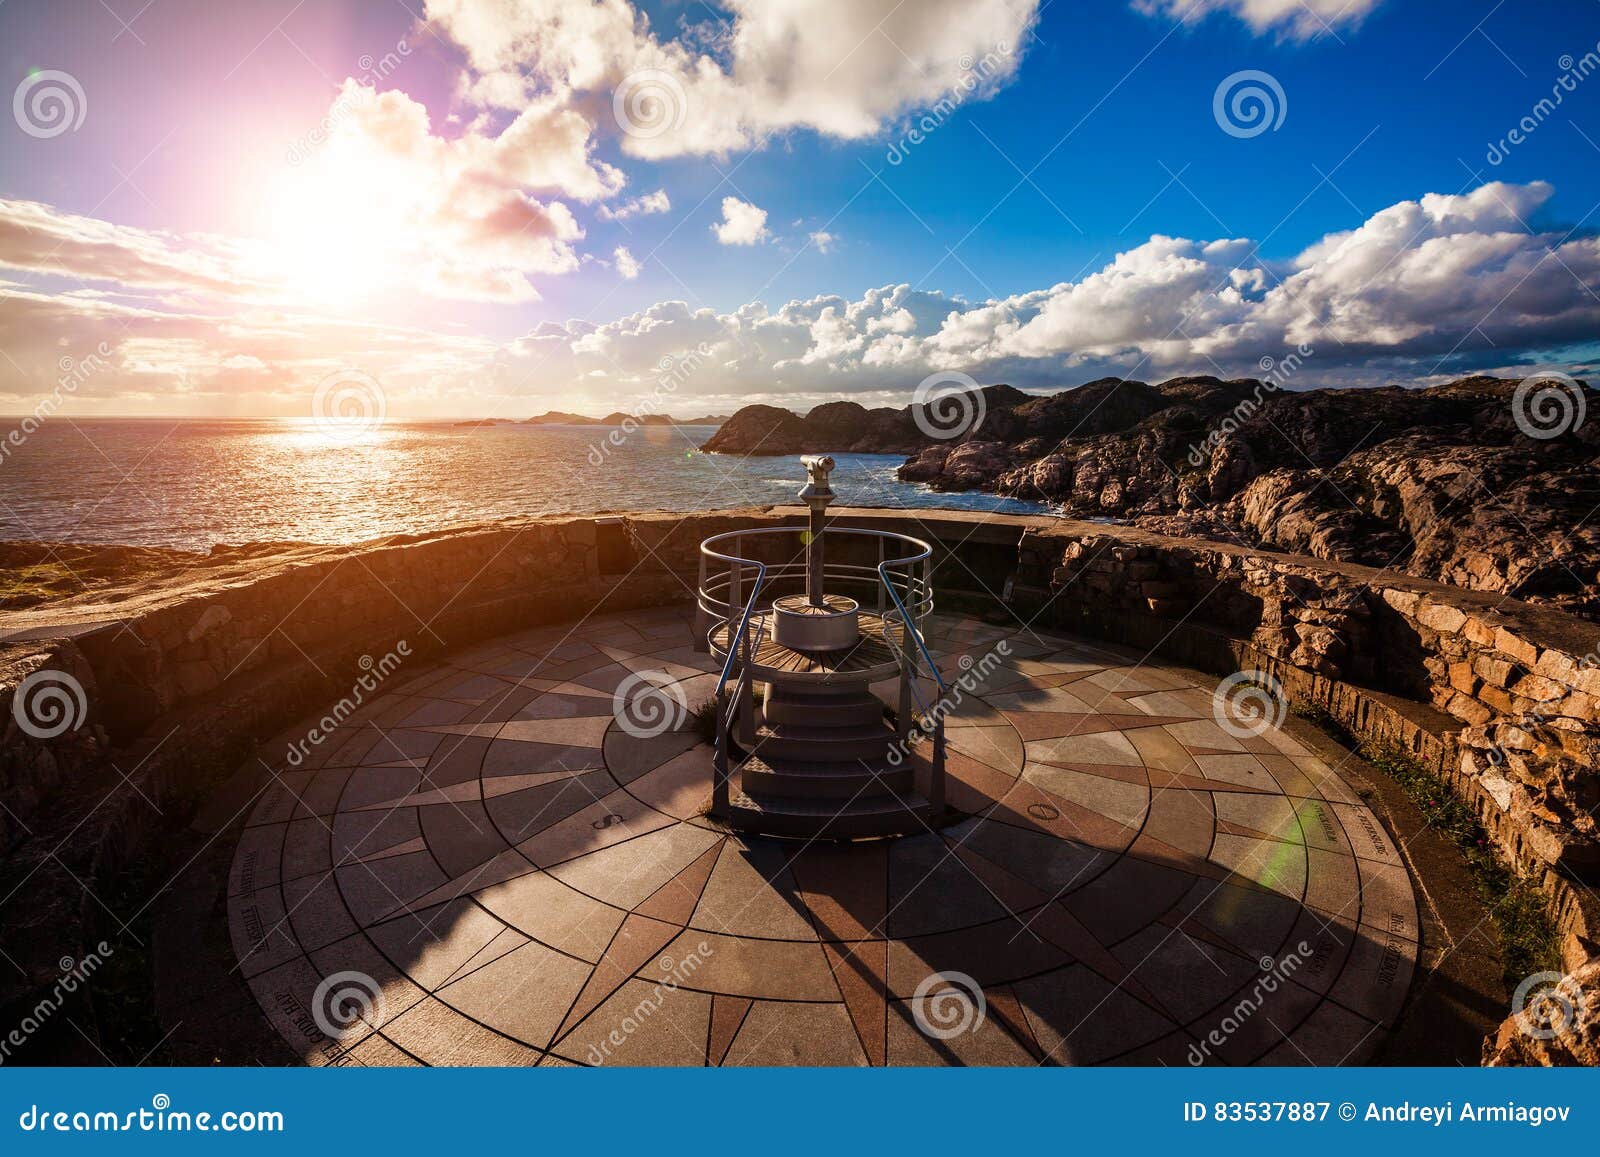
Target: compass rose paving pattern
(483,866)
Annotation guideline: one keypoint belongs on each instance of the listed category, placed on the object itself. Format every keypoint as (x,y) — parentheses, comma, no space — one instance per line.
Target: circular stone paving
(481,865)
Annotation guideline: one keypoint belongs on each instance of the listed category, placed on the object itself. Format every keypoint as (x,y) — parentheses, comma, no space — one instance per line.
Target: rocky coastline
(1466,482)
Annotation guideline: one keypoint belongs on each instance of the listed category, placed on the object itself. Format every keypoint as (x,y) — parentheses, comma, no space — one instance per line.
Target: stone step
(886,815)
(815,744)
(854,780)
(852,710)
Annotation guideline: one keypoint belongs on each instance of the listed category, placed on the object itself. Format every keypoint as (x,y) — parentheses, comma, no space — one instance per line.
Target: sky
(494,208)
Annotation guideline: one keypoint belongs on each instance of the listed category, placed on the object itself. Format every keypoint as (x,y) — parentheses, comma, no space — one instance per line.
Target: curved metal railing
(901,580)
(904,594)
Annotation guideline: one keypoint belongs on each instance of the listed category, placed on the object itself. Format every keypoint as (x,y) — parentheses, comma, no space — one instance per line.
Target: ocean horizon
(195,483)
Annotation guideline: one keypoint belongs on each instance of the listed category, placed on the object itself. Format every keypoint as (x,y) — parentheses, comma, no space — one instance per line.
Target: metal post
(903,711)
(719,760)
(816,494)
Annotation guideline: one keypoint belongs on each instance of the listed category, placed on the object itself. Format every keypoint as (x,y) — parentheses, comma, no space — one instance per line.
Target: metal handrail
(744,623)
(723,610)
(922,646)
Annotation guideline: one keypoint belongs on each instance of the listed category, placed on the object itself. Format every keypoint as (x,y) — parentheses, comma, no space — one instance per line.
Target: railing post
(904,710)
(702,617)
(719,759)
(747,703)
(881,592)
(936,778)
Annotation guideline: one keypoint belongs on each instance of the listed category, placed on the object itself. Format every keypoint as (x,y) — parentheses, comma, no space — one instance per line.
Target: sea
(194,483)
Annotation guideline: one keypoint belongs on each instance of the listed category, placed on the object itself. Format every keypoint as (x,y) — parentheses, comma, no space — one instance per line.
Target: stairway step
(892,815)
(820,781)
(840,711)
(823,744)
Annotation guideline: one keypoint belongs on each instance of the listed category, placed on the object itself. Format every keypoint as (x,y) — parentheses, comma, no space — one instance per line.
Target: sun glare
(340,231)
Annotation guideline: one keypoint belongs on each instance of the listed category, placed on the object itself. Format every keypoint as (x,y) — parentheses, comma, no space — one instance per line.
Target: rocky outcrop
(850,428)
(1439,482)
(1560,1026)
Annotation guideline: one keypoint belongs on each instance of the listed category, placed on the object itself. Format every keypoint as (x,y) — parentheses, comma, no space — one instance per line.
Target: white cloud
(456,217)
(824,241)
(36,238)
(627,266)
(842,68)
(1439,285)
(644,206)
(1300,19)
(742,223)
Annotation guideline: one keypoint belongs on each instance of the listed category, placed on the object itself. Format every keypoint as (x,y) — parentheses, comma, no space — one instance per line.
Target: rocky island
(1442,482)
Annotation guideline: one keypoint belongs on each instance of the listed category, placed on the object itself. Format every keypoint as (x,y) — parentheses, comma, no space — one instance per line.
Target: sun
(341,230)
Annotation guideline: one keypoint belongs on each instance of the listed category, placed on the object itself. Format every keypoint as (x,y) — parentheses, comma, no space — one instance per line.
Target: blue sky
(1096,133)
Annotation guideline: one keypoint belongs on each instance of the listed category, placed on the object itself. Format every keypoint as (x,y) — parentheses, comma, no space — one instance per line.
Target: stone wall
(184,678)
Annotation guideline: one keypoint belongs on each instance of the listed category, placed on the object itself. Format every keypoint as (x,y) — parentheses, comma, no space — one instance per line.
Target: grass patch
(1528,939)
(26,586)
